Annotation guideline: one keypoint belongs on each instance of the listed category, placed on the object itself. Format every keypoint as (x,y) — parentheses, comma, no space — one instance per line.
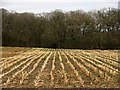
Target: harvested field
(59,68)
(11,51)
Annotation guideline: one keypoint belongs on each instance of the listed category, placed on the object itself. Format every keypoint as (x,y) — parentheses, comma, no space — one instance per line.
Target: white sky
(37,6)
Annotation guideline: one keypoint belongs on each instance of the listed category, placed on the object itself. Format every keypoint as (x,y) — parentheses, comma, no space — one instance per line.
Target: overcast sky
(37,6)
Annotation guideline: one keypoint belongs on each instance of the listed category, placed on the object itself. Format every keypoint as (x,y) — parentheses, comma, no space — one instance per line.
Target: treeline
(58,29)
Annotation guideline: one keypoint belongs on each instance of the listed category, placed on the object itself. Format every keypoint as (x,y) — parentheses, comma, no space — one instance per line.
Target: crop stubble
(61,68)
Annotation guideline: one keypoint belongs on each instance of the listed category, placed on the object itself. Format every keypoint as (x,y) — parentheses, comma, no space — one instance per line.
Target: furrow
(15,67)
(34,67)
(75,71)
(97,68)
(99,62)
(63,69)
(25,66)
(53,68)
(45,62)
